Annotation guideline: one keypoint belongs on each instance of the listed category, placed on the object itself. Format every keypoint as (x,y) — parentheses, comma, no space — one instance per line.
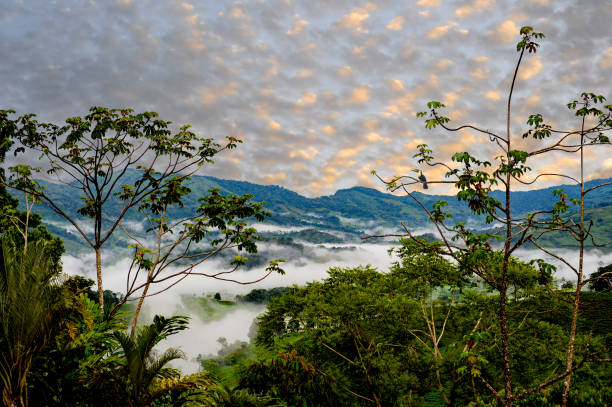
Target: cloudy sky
(321,92)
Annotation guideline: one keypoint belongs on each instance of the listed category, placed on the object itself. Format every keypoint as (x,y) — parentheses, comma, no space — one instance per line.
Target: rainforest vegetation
(458,319)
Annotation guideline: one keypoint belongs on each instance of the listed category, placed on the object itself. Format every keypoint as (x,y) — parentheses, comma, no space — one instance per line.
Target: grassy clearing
(207,308)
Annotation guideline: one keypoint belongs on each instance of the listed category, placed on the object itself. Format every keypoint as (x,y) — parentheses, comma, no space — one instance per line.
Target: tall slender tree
(476,178)
(94,155)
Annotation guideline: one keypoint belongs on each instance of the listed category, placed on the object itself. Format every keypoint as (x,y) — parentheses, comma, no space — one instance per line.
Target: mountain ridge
(351,212)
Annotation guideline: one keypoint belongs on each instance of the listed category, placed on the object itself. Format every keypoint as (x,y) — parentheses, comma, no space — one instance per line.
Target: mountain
(347,214)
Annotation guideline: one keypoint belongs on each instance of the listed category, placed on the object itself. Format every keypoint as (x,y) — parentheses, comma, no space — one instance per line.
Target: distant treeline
(262,295)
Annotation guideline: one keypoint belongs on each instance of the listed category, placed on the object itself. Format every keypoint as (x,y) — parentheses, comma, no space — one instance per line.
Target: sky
(320,92)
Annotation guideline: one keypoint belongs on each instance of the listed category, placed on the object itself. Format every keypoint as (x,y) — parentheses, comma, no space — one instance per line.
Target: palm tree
(140,367)
(29,308)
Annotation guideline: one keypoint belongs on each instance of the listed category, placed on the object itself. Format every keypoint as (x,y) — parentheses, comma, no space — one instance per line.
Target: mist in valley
(310,265)
(202,336)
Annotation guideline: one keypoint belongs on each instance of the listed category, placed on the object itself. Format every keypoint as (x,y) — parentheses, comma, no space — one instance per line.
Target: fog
(593,259)
(201,337)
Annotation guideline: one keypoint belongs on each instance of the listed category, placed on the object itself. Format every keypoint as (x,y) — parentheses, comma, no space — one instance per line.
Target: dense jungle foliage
(413,335)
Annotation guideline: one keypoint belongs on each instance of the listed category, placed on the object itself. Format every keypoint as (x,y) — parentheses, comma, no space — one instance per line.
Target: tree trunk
(99,277)
(139,307)
(503,289)
(576,305)
(504,339)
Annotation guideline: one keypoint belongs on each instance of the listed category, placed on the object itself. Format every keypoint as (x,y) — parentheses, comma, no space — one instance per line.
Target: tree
(29,308)
(79,340)
(96,155)
(22,226)
(346,328)
(424,332)
(601,280)
(135,375)
(174,253)
(475,179)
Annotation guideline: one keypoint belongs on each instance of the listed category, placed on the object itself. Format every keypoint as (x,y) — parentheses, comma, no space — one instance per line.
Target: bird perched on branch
(421,177)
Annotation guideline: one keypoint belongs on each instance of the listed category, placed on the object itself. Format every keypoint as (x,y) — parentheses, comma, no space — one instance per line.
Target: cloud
(428,3)
(375,137)
(492,95)
(274,126)
(237,13)
(476,7)
(438,32)
(443,64)
(442,30)
(532,67)
(463,142)
(304,73)
(450,98)
(355,19)
(307,98)
(359,95)
(275,178)
(479,73)
(605,62)
(307,154)
(396,85)
(345,70)
(532,100)
(397,23)
(329,130)
(506,32)
(273,65)
(349,152)
(210,96)
(370,124)
(298,26)
(253,69)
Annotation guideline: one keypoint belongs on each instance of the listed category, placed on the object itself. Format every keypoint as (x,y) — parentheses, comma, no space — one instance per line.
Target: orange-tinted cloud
(359,95)
(506,32)
(397,23)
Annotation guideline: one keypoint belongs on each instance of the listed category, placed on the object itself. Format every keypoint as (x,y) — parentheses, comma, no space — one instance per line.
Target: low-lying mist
(202,335)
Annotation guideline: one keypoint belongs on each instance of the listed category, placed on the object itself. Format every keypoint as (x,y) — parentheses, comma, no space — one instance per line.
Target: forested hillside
(355,212)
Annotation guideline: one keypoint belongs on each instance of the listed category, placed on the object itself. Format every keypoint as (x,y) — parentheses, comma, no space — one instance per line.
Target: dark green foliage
(368,333)
(262,295)
(308,235)
(30,308)
(603,279)
(222,396)
(354,326)
(14,222)
(567,285)
(231,361)
(130,377)
(62,368)
(291,378)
